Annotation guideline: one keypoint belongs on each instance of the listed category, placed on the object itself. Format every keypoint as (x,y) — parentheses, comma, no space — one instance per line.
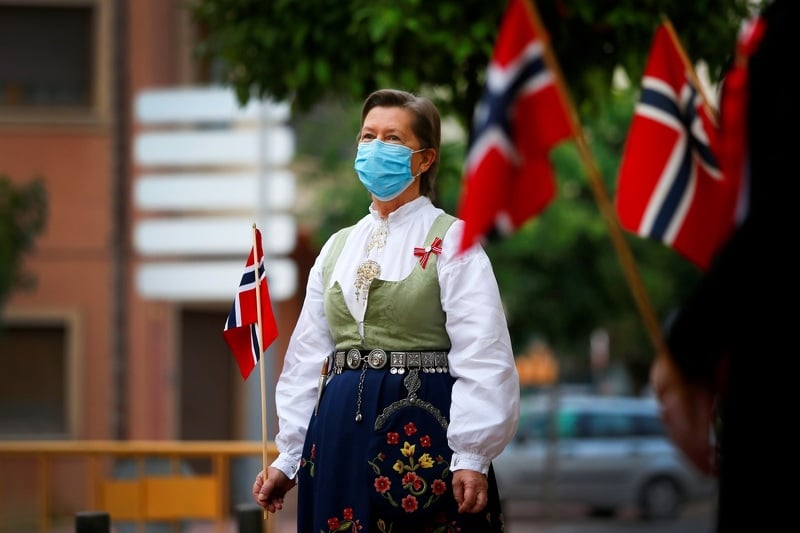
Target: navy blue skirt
(390,471)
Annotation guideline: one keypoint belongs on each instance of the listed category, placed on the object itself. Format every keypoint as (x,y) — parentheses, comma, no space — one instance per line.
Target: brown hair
(426,125)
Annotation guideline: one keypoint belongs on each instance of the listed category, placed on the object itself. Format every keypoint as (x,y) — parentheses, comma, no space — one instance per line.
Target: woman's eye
(367,137)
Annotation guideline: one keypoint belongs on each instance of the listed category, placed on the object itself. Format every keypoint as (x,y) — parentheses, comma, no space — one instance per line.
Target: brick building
(84,355)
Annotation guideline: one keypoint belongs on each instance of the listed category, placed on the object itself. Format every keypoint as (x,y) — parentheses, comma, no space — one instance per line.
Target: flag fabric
(670,187)
(508,177)
(733,151)
(241,328)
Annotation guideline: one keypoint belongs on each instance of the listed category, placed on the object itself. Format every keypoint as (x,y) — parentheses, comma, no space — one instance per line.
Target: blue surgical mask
(384,168)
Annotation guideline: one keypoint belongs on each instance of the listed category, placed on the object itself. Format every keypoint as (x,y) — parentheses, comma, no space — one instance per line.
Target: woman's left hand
(470,489)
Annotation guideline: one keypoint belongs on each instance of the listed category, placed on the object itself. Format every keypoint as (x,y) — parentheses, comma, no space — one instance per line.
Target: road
(528,518)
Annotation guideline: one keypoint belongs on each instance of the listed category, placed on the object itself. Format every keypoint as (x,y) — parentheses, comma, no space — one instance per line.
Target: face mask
(384,168)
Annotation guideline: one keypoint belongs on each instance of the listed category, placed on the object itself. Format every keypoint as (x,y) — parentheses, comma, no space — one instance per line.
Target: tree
(559,276)
(23,213)
(308,51)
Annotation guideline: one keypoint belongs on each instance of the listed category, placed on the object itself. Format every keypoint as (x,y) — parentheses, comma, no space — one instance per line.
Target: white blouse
(485,403)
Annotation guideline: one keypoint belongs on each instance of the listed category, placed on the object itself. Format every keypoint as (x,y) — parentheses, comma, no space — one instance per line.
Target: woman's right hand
(269,494)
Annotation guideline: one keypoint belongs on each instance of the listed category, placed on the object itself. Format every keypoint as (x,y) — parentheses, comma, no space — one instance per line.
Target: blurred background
(141,139)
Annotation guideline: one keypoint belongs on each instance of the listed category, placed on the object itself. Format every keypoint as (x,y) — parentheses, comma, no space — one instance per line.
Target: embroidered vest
(400,315)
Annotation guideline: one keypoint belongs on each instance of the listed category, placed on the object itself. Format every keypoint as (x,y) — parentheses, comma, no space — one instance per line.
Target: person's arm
(296,390)
(484,411)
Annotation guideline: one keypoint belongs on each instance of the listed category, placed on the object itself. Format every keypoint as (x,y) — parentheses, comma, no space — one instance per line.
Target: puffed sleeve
(296,390)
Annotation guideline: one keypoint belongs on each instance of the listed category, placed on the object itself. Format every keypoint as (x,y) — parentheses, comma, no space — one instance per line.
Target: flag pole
(261,370)
(689,67)
(630,269)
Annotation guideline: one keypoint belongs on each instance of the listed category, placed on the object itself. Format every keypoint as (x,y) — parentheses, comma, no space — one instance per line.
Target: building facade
(83,354)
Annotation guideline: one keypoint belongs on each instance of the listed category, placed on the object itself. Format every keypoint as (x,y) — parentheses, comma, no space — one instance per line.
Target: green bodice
(400,315)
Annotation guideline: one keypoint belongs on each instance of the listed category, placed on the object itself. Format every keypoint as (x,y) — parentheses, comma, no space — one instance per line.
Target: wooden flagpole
(689,67)
(605,205)
(261,370)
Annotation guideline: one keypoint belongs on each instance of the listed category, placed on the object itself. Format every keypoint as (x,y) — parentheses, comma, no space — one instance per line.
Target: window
(534,426)
(49,60)
(606,425)
(36,388)
(649,426)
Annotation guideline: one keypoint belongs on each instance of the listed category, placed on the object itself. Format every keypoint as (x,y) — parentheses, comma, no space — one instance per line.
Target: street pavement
(528,517)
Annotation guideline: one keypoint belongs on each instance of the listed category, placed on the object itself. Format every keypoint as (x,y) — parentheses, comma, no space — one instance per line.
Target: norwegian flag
(670,186)
(242,325)
(521,116)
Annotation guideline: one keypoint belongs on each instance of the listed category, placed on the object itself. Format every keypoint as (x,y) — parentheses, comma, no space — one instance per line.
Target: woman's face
(390,125)
(393,125)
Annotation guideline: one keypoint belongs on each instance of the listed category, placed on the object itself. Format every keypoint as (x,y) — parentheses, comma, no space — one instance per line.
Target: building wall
(72,260)
(150,398)
(126,356)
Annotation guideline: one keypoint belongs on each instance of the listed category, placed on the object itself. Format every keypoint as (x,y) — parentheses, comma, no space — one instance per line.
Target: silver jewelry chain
(361,389)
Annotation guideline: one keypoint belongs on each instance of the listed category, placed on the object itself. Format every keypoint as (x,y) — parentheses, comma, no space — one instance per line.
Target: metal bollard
(92,522)
(250,518)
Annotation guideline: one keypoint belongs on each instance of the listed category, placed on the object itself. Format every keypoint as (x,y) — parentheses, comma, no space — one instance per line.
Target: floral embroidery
(418,493)
(382,484)
(346,523)
(309,462)
(377,238)
(425,253)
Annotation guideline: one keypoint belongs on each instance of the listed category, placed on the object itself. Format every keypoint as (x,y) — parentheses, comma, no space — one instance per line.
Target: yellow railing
(44,483)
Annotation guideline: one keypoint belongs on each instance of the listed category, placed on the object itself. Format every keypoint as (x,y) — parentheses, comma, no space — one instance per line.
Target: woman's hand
(470,489)
(269,494)
(687,410)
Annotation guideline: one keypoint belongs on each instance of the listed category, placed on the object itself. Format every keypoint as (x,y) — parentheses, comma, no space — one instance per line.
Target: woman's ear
(428,157)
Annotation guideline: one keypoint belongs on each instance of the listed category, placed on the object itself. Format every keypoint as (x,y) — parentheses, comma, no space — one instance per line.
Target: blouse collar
(404,212)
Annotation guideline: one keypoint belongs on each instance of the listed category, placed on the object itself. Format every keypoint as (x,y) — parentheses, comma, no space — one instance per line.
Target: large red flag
(521,116)
(670,186)
(242,325)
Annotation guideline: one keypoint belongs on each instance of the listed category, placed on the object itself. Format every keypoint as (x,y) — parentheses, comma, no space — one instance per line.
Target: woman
(423,391)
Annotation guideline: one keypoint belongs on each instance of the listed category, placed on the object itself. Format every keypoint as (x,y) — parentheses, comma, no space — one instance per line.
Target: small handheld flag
(241,328)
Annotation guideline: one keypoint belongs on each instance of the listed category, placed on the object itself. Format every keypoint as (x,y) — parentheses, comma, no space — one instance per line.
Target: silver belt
(397,362)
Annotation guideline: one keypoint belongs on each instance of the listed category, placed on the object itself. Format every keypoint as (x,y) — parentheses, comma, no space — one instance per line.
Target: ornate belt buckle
(413,360)
(377,358)
(428,362)
(338,362)
(353,359)
(441,361)
(398,363)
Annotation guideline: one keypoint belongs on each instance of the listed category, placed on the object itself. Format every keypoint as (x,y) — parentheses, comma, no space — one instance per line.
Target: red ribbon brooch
(425,253)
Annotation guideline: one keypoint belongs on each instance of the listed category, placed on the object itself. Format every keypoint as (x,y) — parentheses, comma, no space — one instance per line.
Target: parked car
(604,452)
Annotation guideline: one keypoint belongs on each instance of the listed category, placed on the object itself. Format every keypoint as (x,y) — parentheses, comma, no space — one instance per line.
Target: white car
(603,452)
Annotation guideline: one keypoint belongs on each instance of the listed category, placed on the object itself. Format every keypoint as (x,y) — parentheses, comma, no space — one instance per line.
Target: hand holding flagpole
(251,327)
(261,371)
